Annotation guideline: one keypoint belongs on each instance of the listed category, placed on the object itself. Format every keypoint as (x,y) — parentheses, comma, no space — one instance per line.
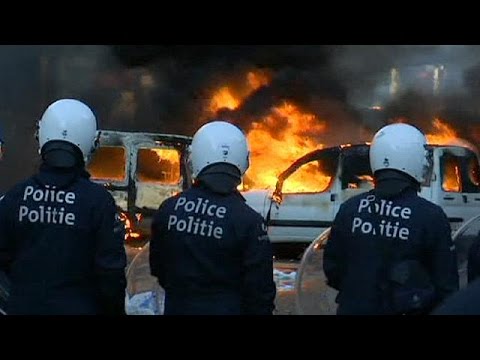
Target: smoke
(299,74)
(365,70)
(167,88)
(336,83)
(31,77)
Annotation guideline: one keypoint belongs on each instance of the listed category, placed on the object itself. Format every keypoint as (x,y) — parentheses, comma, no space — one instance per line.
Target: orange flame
(158,165)
(451,181)
(229,98)
(223,98)
(130,234)
(171,155)
(446,135)
(108,163)
(280,138)
(443,135)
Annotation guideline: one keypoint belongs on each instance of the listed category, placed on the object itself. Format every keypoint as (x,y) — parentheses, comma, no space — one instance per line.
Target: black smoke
(338,83)
(166,88)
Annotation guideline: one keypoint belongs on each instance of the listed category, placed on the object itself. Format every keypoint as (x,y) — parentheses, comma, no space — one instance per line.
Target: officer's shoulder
(429,207)
(18,188)
(248,212)
(354,200)
(98,191)
(170,201)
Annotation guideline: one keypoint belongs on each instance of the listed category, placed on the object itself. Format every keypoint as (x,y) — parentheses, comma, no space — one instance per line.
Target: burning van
(310,191)
(140,170)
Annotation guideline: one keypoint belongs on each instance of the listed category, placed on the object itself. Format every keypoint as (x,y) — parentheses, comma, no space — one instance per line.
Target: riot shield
(144,296)
(313,295)
(4,291)
(463,239)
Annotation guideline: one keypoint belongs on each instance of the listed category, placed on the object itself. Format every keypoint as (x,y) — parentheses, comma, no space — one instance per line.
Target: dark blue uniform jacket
(58,247)
(211,254)
(371,236)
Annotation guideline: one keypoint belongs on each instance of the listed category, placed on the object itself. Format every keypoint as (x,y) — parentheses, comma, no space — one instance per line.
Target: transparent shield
(144,295)
(313,295)
(4,291)
(463,239)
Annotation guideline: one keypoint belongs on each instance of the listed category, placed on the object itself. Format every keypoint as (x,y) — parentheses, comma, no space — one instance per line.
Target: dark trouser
(204,304)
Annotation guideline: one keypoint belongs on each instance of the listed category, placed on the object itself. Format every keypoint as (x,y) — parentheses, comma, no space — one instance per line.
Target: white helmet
(400,147)
(71,121)
(219,142)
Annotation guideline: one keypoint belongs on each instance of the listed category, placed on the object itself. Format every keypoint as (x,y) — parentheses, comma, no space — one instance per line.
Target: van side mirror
(277,194)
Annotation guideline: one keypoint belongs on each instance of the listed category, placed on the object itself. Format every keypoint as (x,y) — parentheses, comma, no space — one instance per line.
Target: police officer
(210,250)
(390,251)
(57,241)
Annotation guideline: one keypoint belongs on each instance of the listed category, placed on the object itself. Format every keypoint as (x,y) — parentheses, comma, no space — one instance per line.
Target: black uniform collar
(391,183)
(220,178)
(59,177)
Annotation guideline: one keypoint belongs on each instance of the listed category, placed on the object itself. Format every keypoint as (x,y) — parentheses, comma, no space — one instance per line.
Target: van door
(305,198)
(109,166)
(156,174)
(355,176)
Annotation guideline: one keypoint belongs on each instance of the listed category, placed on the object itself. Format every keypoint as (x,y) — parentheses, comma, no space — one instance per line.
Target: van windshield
(313,176)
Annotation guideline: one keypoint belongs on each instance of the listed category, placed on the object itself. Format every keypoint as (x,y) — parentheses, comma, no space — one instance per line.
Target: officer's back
(56,233)
(386,231)
(390,251)
(209,249)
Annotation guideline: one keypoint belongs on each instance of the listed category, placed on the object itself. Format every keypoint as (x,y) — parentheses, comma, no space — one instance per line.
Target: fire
(281,137)
(108,163)
(167,155)
(158,165)
(230,98)
(451,181)
(444,134)
(130,234)
(257,79)
(223,98)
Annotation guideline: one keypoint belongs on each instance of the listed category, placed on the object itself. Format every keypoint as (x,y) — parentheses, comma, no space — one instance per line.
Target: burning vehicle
(310,191)
(140,170)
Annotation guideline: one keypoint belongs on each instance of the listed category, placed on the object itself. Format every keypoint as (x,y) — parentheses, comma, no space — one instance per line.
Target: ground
(284,274)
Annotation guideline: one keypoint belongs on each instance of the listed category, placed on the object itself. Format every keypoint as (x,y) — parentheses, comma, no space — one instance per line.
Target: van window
(460,173)
(356,170)
(313,176)
(158,165)
(108,163)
